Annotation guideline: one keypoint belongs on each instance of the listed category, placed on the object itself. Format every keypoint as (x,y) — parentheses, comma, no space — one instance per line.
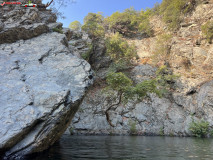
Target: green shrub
(165,78)
(123,85)
(199,128)
(172,11)
(118,81)
(71,130)
(93,25)
(120,87)
(156,9)
(123,22)
(211,133)
(118,49)
(87,54)
(161,132)
(119,66)
(132,125)
(59,30)
(76,25)
(130,22)
(147,86)
(118,84)
(144,25)
(207,30)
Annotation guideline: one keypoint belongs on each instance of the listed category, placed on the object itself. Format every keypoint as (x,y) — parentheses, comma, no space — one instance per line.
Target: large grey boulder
(41,86)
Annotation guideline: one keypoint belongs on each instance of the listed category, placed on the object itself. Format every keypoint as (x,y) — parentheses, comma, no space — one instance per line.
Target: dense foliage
(75,25)
(130,22)
(118,48)
(59,30)
(199,128)
(123,22)
(132,125)
(120,83)
(122,88)
(159,85)
(171,10)
(165,78)
(207,30)
(93,25)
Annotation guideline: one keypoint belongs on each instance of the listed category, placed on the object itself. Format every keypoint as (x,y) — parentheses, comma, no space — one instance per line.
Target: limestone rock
(24,24)
(41,88)
(152,116)
(55,25)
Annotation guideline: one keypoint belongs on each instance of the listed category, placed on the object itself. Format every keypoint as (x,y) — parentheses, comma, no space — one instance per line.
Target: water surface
(129,148)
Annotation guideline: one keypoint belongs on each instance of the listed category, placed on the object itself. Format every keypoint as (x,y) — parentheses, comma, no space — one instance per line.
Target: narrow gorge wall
(170,115)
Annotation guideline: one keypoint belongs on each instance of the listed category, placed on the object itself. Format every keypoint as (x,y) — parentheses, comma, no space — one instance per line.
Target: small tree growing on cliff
(119,49)
(75,25)
(123,88)
(93,25)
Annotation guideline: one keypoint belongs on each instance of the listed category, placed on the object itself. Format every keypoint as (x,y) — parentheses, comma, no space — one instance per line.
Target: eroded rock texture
(42,82)
(169,116)
(190,57)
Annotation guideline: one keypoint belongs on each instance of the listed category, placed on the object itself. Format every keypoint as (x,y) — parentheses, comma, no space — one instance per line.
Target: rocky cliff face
(42,82)
(171,115)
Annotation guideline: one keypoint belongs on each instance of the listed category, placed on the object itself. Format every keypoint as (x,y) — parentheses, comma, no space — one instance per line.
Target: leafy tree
(93,25)
(123,88)
(118,48)
(119,83)
(123,22)
(144,25)
(130,22)
(75,25)
(173,9)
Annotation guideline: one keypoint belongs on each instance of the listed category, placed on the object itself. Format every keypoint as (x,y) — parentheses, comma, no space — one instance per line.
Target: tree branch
(106,112)
(48,4)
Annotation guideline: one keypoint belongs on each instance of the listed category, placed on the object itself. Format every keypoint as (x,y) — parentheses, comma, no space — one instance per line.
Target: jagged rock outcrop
(24,23)
(42,82)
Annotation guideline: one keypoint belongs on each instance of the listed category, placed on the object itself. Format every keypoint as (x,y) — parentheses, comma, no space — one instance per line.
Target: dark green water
(129,148)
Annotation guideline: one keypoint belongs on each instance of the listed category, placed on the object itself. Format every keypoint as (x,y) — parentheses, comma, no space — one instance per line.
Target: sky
(79,9)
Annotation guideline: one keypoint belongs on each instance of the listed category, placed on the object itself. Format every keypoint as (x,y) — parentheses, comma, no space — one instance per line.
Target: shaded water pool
(128,148)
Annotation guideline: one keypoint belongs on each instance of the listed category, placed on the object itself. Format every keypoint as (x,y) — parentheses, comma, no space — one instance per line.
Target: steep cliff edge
(42,82)
(189,56)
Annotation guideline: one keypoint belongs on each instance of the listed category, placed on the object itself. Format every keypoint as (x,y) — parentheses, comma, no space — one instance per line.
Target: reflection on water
(129,148)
